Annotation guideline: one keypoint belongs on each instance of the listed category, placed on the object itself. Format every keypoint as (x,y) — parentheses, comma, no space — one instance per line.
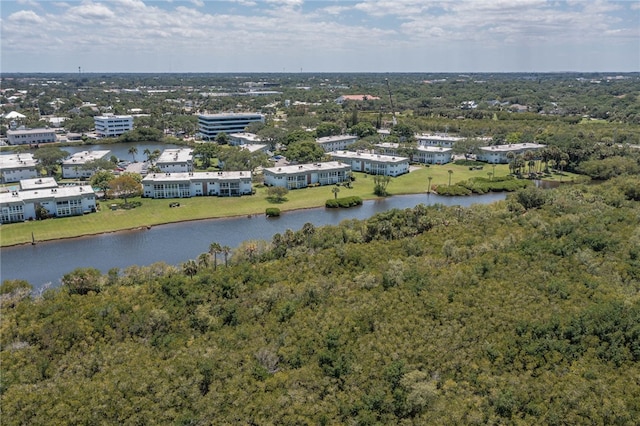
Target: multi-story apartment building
(211,125)
(420,154)
(336,143)
(303,175)
(43,193)
(72,167)
(374,164)
(176,160)
(30,136)
(498,154)
(15,167)
(185,185)
(109,126)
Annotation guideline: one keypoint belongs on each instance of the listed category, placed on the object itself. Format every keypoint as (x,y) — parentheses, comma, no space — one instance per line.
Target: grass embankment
(156,212)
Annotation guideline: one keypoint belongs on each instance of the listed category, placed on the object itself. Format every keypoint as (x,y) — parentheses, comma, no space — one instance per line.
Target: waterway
(45,263)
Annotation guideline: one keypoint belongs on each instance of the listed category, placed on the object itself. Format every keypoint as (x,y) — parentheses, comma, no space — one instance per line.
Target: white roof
(436,137)
(83,157)
(172,177)
(45,194)
(178,155)
(327,139)
(311,167)
(512,147)
(369,157)
(12,161)
(433,149)
(13,114)
(30,131)
(36,183)
(253,147)
(245,136)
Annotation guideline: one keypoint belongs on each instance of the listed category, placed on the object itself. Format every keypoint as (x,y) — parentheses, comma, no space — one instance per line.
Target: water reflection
(175,243)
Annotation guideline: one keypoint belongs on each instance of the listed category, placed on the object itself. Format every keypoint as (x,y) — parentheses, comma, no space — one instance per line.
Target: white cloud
(197,3)
(92,11)
(26,17)
(31,3)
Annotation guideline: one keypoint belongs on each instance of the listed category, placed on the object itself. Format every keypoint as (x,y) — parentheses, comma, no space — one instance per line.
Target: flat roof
(366,156)
(436,137)
(232,114)
(30,131)
(46,194)
(434,149)
(36,183)
(310,167)
(11,161)
(83,157)
(512,147)
(337,138)
(245,136)
(253,147)
(172,177)
(105,117)
(177,155)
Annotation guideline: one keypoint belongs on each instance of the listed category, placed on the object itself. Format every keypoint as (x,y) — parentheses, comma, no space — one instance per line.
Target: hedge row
(344,202)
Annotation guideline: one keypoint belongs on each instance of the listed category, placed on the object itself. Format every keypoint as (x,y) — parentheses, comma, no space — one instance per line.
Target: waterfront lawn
(154,212)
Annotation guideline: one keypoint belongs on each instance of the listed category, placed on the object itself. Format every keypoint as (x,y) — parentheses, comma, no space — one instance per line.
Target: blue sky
(319,36)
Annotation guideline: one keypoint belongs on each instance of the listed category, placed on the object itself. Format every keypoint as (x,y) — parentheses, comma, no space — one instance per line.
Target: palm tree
(450,173)
(214,249)
(429,189)
(335,191)
(147,152)
(226,250)
(190,268)
(203,260)
(133,151)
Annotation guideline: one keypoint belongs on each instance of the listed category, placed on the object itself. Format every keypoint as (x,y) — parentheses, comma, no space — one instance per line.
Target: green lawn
(155,212)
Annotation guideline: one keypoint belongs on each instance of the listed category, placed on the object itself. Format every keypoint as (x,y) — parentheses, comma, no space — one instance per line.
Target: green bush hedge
(272,212)
(452,190)
(343,202)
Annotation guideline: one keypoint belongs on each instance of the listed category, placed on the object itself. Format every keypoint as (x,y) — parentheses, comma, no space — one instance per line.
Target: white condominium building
(373,164)
(497,154)
(336,143)
(15,167)
(211,125)
(73,167)
(176,160)
(30,136)
(25,204)
(109,126)
(185,185)
(303,175)
(420,154)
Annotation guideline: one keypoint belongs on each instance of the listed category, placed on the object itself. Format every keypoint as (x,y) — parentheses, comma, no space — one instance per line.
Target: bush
(272,212)
(344,202)
(452,190)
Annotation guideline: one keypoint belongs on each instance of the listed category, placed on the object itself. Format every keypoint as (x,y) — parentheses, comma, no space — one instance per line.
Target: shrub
(453,190)
(344,202)
(272,212)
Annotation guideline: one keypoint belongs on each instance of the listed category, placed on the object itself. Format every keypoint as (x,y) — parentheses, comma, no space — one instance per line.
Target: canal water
(173,244)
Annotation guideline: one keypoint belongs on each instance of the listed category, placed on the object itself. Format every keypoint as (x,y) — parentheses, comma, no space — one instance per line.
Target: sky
(319,36)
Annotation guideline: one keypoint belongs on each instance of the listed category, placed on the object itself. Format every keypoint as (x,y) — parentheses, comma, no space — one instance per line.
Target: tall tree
(133,151)
(125,187)
(50,158)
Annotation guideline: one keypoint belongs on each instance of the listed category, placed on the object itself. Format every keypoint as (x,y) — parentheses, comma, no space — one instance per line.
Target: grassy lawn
(154,212)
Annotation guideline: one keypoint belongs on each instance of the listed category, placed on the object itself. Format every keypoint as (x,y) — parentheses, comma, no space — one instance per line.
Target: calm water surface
(47,262)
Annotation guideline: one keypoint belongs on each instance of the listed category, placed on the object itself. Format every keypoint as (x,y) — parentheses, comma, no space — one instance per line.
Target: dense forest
(521,312)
